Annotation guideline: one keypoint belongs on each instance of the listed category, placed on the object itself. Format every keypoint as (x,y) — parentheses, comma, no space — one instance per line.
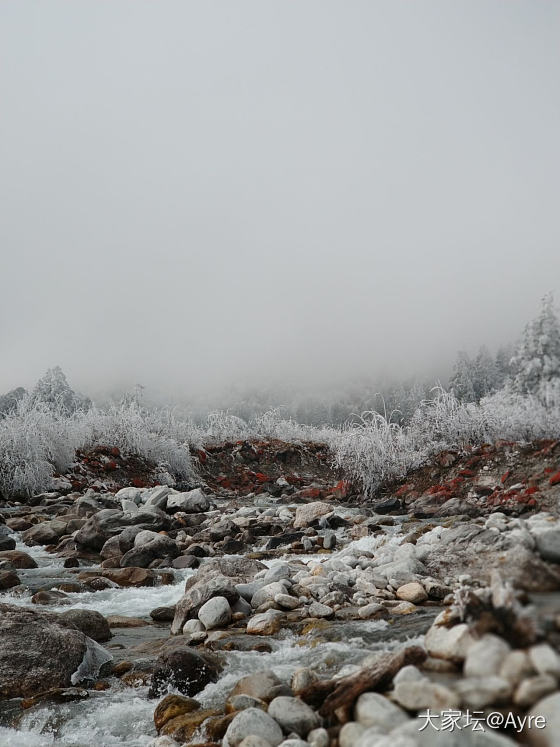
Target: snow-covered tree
(537,359)
(462,382)
(54,391)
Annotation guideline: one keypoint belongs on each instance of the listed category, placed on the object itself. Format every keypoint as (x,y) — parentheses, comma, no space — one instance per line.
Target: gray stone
(293,715)
(533,689)
(485,657)
(252,722)
(373,709)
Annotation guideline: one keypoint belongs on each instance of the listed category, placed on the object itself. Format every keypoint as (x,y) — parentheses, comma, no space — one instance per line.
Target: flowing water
(123,716)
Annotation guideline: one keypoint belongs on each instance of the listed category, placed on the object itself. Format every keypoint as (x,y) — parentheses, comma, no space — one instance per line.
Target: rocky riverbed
(267,602)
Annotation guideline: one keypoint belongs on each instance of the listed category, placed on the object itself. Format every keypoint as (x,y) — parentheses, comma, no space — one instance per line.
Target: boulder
(40,650)
(310,512)
(90,622)
(172,706)
(215,613)
(8,579)
(191,502)
(46,533)
(179,667)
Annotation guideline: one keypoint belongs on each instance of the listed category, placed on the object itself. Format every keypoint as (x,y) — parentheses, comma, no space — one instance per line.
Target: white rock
(420,694)
(485,657)
(316,609)
(293,715)
(533,689)
(286,601)
(253,741)
(545,659)
(478,692)
(350,734)
(310,512)
(265,623)
(516,666)
(373,709)
(319,738)
(410,673)
(215,613)
(449,643)
(253,721)
(548,710)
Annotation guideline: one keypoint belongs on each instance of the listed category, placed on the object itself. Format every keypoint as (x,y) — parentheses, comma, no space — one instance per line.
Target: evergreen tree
(462,382)
(537,358)
(53,390)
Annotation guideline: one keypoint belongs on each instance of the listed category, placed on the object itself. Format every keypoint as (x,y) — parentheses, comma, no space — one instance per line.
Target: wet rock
(185,561)
(131,576)
(18,559)
(373,709)
(265,623)
(90,622)
(215,613)
(172,706)
(183,728)
(50,597)
(163,614)
(52,651)
(7,542)
(412,592)
(293,715)
(8,579)
(253,722)
(180,667)
(373,610)
(310,512)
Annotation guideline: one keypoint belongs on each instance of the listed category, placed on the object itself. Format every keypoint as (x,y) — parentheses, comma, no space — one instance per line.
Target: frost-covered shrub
(137,431)
(35,441)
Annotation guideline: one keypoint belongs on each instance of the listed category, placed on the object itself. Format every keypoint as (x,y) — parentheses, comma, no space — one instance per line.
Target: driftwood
(336,696)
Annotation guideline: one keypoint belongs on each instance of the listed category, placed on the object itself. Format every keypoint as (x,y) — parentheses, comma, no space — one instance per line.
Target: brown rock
(172,706)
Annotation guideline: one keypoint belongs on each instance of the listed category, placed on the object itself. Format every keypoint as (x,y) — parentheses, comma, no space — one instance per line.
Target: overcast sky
(195,193)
